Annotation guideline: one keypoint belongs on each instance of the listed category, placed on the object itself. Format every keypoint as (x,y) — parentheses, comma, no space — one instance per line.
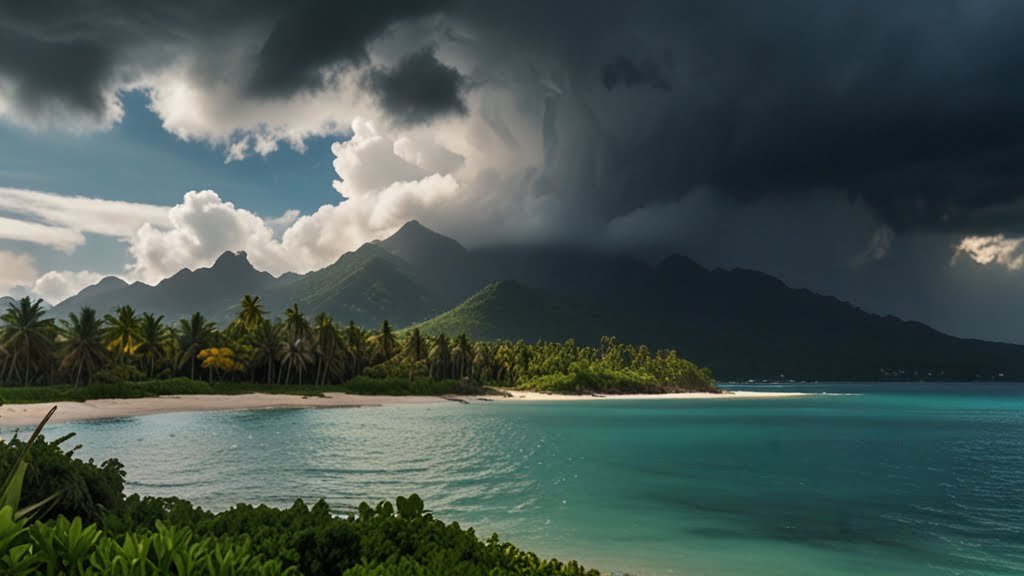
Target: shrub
(86,489)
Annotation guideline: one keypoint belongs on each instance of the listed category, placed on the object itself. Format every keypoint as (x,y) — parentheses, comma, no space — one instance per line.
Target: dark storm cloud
(69,52)
(75,72)
(916,107)
(316,33)
(418,89)
(628,73)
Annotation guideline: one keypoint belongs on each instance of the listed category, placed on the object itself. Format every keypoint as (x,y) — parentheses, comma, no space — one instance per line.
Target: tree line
(294,349)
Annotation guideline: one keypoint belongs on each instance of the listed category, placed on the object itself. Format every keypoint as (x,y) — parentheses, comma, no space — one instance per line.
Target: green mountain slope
(367,286)
(510,310)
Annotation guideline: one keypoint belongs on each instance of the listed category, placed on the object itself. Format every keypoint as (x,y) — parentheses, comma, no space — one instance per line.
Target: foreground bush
(70,548)
(387,539)
(83,489)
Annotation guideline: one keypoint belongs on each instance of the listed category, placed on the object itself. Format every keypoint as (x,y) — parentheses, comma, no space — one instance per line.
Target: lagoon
(901,478)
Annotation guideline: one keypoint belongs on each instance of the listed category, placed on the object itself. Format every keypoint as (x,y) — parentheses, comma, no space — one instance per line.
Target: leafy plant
(10,490)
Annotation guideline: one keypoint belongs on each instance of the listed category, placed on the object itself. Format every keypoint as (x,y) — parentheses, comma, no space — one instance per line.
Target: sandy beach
(21,415)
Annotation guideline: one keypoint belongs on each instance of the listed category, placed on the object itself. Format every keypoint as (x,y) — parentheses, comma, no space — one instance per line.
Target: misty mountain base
(110,534)
(108,354)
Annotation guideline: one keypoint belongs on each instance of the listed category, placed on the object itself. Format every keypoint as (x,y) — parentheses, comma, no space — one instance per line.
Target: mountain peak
(111,282)
(414,242)
(232,260)
(413,229)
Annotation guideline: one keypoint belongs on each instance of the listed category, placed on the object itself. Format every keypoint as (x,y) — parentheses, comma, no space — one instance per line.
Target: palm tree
(483,362)
(462,356)
(219,359)
(28,337)
(440,357)
(152,340)
(355,340)
(295,354)
(251,314)
(82,338)
(414,350)
(325,344)
(266,342)
(194,334)
(385,345)
(295,323)
(122,331)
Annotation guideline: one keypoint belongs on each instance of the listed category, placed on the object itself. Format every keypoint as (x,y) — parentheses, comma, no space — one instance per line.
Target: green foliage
(117,357)
(401,386)
(82,489)
(118,373)
(147,389)
(400,538)
(73,548)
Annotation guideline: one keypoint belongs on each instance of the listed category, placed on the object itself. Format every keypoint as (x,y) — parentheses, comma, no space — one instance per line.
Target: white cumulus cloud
(58,285)
(16,271)
(379,191)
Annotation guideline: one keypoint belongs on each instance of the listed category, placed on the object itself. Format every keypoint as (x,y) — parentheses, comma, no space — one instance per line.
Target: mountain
(446,268)
(367,286)
(741,323)
(6,301)
(213,291)
(510,310)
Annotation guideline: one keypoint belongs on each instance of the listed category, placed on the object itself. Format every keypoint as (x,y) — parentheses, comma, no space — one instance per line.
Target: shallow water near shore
(870,478)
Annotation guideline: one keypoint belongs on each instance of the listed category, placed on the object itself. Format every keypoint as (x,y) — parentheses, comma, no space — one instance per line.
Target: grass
(176,386)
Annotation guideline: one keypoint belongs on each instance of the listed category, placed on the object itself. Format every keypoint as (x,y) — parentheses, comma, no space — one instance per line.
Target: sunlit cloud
(997,250)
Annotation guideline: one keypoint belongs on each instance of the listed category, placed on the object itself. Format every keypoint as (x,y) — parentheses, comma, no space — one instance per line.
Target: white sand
(31,414)
(26,415)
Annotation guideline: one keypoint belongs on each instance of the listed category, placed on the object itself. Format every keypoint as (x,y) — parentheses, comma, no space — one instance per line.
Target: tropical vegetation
(127,353)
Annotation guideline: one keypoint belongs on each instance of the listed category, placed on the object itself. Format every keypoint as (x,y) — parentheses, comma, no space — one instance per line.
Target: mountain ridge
(742,323)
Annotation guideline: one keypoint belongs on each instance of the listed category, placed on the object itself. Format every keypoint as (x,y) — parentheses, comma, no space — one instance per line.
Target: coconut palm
(82,339)
(152,341)
(355,341)
(122,332)
(440,357)
(266,343)
(295,356)
(28,337)
(462,356)
(251,314)
(414,349)
(326,342)
(193,335)
(483,362)
(219,360)
(295,323)
(384,344)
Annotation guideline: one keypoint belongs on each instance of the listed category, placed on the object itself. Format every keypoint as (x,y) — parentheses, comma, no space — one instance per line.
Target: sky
(865,149)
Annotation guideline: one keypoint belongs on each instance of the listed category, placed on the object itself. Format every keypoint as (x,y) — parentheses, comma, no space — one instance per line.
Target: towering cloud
(728,129)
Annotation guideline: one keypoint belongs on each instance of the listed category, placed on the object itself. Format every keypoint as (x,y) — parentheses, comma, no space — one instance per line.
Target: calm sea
(882,478)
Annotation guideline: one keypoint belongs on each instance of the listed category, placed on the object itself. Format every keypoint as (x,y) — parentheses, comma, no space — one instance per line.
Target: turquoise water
(886,479)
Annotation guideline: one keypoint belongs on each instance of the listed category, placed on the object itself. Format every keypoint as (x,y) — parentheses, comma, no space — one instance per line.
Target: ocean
(904,478)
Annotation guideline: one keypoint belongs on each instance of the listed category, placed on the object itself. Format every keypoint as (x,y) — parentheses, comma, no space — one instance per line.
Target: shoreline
(28,415)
